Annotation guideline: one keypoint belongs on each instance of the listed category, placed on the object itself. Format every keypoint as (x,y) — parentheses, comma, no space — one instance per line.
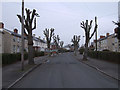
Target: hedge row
(11,58)
(39,54)
(81,50)
(105,55)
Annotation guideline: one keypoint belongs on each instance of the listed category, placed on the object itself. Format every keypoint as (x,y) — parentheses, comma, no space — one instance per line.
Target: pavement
(108,68)
(12,73)
(65,71)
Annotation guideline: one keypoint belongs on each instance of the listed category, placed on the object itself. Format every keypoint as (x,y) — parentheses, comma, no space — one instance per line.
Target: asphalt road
(64,71)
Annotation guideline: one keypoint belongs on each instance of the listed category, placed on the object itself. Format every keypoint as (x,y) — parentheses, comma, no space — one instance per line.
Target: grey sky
(65,17)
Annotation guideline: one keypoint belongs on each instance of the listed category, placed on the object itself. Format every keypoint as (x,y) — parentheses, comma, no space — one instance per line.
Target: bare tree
(87,27)
(56,40)
(28,24)
(61,44)
(49,34)
(75,41)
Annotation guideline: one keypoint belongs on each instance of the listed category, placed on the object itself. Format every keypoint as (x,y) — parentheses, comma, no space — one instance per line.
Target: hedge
(81,50)
(105,55)
(36,54)
(11,58)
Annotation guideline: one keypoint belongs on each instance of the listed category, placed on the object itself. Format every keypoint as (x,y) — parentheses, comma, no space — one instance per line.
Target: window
(116,40)
(14,48)
(18,39)
(18,49)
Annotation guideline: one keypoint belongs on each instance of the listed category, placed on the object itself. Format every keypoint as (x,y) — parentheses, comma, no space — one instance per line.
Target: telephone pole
(22,38)
(96,33)
(119,11)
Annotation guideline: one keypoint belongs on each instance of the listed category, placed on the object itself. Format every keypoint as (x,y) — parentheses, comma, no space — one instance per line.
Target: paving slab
(106,66)
(12,72)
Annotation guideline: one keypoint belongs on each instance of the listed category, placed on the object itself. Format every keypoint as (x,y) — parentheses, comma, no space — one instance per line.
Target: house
(108,42)
(11,40)
(39,44)
(1,41)
(67,47)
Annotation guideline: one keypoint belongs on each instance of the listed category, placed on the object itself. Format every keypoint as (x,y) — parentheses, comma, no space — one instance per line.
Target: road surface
(64,71)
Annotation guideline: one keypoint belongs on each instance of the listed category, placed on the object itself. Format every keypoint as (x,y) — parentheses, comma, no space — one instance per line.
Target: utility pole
(119,11)
(22,38)
(96,33)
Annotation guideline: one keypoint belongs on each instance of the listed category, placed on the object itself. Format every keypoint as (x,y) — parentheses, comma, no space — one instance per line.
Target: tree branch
(93,32)
(34,24)
(20,18)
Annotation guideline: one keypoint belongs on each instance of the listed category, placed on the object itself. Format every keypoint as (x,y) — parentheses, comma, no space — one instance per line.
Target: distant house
(67,47)
(53,48)
(108,42)
(39,44)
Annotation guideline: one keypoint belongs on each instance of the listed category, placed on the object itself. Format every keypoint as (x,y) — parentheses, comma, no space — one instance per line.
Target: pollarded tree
(56,40)
(28,25)
(48,34)
(61,44)
(75,41)
(87,27)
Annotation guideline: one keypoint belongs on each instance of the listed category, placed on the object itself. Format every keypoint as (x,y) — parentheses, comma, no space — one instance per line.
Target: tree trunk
(30,55)
(75,51)
(30,49)
(49,54)
(85,52)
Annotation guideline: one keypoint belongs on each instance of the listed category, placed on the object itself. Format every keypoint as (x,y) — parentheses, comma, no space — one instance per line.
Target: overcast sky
(65,17)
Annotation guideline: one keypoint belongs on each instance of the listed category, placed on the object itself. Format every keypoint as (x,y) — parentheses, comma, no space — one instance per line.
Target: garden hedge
(105,55)
(8,58)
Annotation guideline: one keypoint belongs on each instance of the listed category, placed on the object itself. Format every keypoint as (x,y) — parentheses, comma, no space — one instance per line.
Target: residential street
(64,71)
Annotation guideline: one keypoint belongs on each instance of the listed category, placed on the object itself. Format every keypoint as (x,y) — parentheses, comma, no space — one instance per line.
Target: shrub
(8,58)
(106,50)
(105,55)
(36,54)
(81,50)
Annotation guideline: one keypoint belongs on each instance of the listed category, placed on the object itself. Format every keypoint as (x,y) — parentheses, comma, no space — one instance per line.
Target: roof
(113,36)
(1,31)
(52,43)
(38,39)
(19,35)
(12,33)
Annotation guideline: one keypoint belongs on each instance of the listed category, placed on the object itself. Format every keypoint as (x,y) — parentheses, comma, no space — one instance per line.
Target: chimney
(94,41)
(115,30)
(1,25)
(102,36)
(25,34)
(107,34)
(15,30)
